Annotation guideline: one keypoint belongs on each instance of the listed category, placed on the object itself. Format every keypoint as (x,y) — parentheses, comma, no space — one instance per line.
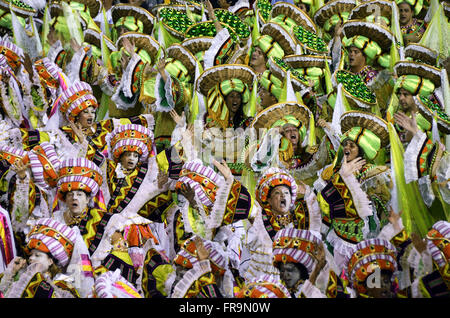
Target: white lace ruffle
(411,155)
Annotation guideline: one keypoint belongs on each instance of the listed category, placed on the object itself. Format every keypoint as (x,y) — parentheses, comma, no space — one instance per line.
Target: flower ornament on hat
(438,243)
(50,236)
(132,137)
(187,256)
(79,174)
(75,99)
(266,286)
(369,255)
(112,285)
(271,178)
(295,246)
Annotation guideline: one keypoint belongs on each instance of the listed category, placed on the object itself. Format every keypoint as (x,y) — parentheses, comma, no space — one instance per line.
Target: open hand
(348,168)
(224,169)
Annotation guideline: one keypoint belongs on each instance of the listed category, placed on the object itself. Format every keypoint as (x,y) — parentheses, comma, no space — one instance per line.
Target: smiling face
(280,200)
(37,256)
(351,150)
(233,102)
(356,59)
(405,13)
(86,117)
(77,201)
(291,133)
(129,160)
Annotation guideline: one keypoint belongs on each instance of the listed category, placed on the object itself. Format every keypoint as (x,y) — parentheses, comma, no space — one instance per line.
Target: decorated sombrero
(83,65)
(369,255)
(310,66)
(431,110)
(266,286)
(131,137)
(373,39)
(417,78)
(198,46)
(421,54)
(232,20)
(332,13)
(310,42)
(366,10)
(78,174)
(146,46)
(295,246)
(187,255)
(94,37)
(280,68)
(367,130)
(283,11)
(217,74)
(93,6)
(13,155)
(273,177)
(358,94)
(271,83)
(178,52)
(438,243)
(20,8)
(111,284)
(75,99)
(268,117)
(50,236)
(174,19)
(134,18)
(279,35)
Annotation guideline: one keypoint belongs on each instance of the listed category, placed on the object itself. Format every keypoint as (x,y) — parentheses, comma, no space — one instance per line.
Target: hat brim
(93,37)
(140,41)
(423,70)
(333,7)
(354,101)
(366,120)
(366,9)
(178,52)
(303,61)
(281,73)
(429,114)
(293,12)
(267,117)
(122,10)
(217,74)
(197,44)
(422,53)
(23,12)
(375,32)
(281,36)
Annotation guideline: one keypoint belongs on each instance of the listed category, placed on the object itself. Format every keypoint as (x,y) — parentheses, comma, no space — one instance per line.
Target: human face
(40,257)
(405,13)
(385,289)
(86,117)
(258,58)
(129,159)
(356,59)
(351,150)
(233,101)
(77,201)
(406,100)
(292,134)
(280,200)
(289,274)
(267,99)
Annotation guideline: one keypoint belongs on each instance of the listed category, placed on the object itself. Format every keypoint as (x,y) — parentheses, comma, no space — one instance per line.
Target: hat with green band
(263,7)
(133,18)
(178,53)
(198,46)
(275,41)
(280,68)
(94,39)
(145,45)
(368,131)
(372,39)
(416,5)
(271,83)
(175,20)
(357,93)
(217,82)
(417,78)
(431,110)
(232,20)
(332,13)
(289,15)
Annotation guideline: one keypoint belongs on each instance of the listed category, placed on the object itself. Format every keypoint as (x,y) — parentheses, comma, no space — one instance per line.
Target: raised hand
(394,219)
(177,118)
(77,129)
(348,168)
(409,124)
(224,169)
(202,252)
(21,169)
(163,178)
